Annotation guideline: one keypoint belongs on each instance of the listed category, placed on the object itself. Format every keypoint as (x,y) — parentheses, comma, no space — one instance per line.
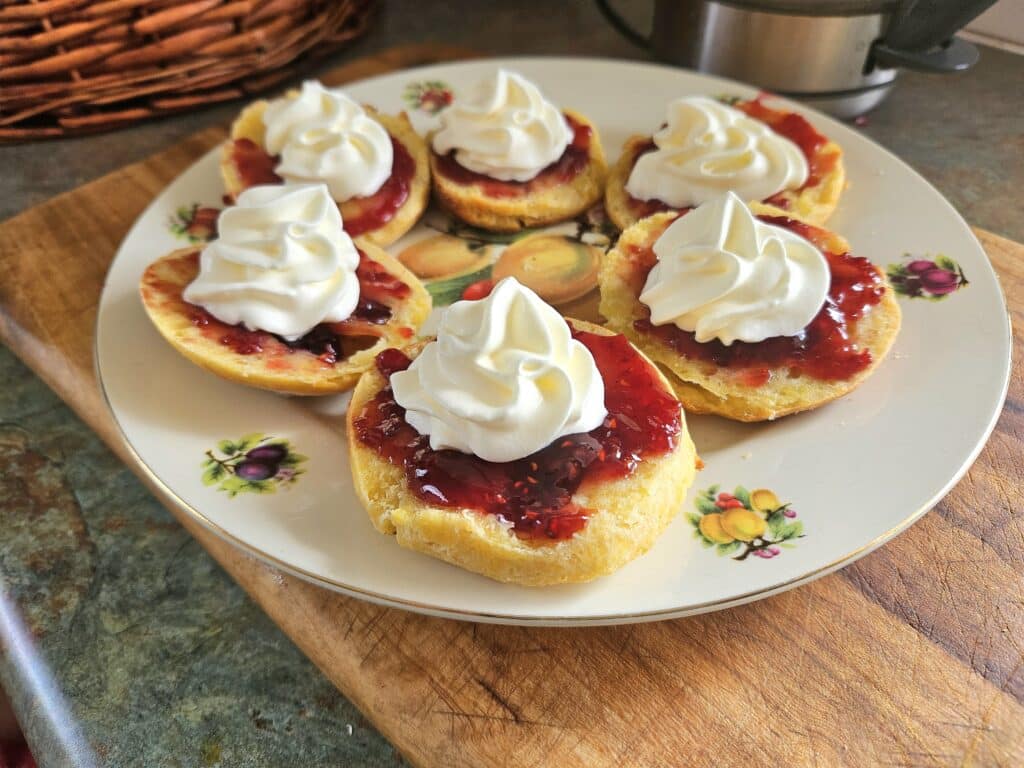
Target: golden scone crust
(536,208)
(813,204)
(616,198)
(706,388)
(249,125)
(817,202)
(628,514)
(277,368)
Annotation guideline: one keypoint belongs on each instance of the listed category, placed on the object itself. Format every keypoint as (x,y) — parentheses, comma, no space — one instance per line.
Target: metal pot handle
(622,26)
(921,36)
(955,56)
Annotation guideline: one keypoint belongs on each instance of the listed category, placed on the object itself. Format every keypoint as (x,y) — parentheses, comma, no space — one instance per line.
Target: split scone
(519,445)
(707,147)
(754,315)
(506,159)
(374,165)
(284,299)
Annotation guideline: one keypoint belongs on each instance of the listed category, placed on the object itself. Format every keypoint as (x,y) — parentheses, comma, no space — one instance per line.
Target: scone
(380,200)
(809,350)
(305,354)
(708,147)
(578,507)
(506,159)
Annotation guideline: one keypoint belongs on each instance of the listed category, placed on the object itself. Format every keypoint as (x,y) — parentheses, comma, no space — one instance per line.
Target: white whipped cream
(504,378)
(722,274)
(707,148)
(506,129)
(281,263)
(322,135)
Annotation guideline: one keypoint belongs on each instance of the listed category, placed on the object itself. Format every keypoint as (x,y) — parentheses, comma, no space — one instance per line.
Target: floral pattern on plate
(458,261)
(430,96)
(744,523)
(195,223)
(924,278)
(254,464)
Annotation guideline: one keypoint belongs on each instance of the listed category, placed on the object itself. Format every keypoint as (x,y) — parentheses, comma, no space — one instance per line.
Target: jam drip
(534,494)
(252,163)
(824,350)
(789,124)
(565,169)
(326,340)
(800,132)
(364,214)
(361,214)
(795,128)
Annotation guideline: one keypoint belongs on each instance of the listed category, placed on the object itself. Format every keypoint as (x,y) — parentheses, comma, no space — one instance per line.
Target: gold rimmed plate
(829,485)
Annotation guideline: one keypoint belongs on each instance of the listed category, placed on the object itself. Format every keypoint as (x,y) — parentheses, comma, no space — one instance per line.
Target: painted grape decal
(933,279)
(254,464)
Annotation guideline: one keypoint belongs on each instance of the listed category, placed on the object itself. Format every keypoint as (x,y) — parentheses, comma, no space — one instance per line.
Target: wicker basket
(73,66)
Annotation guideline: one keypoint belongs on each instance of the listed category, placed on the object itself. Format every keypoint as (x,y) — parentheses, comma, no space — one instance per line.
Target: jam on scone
(754,314)
(374,165)
(506,158)
(284,299)
(521,442)
(706,148)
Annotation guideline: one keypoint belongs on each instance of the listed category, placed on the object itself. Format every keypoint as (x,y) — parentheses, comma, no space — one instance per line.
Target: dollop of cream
(722,274)
(281,263)
(504,378)
(506,129)
(707,148)
(322,135)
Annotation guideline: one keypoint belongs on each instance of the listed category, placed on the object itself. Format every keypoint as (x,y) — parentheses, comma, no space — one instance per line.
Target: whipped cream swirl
(503,380)
(322,135)
(707,148)
(505,129)
(282,263)
(722,274)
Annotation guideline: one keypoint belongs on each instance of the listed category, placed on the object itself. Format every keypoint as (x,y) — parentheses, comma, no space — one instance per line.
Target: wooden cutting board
(914,656)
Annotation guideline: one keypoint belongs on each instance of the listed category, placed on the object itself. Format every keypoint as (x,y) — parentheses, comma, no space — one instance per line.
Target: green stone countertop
(123,643)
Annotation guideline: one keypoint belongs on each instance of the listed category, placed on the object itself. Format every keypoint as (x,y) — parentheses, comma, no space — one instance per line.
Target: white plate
(857,472)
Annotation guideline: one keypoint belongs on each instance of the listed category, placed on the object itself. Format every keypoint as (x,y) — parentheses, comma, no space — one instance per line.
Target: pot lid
(816,7)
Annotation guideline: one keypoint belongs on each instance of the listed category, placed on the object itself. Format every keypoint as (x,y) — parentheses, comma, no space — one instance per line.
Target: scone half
(626,515)
(503,206)
(814,202)
(245,162)
(744,393)
(393,304)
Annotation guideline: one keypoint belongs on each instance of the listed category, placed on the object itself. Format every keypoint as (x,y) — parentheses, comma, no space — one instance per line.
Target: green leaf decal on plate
(448,290)
(743,495)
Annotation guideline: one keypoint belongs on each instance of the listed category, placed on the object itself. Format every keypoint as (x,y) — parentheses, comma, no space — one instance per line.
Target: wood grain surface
(913,656)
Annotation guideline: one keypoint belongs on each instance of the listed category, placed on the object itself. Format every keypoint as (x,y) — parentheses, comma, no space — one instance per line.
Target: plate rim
(167,494)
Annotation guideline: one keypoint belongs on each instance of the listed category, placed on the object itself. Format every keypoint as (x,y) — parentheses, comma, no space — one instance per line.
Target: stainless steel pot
(841,56)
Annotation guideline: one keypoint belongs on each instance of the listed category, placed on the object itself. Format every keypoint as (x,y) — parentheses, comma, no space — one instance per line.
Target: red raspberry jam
(252,164)
(795,128)
(255,166)
(565,169)
(534,494)
(789,124)
(377,287)
(824,350)
(365,214)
